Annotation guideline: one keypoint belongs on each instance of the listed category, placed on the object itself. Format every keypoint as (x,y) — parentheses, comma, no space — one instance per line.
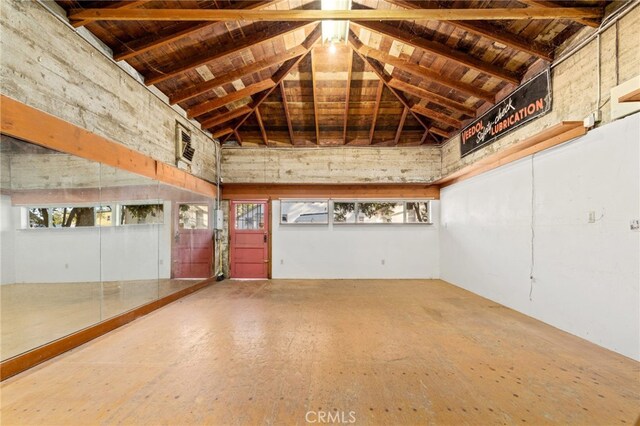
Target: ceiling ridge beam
(198,89)
(337,15)
(493,33)
(227,49)
(216,103)
(442,50)
(420,71)
(139,46)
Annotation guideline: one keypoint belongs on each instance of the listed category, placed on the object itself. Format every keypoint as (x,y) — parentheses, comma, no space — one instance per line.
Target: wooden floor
(382,352)
(32,314)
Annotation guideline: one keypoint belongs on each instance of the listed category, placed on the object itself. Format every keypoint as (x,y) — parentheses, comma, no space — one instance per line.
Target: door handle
(265,238)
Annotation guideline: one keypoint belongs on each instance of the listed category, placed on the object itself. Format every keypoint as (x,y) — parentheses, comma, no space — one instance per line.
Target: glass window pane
(381,212)
(193,216)
(104,216)
(418,212)
(71,217)
(344,212)
(38,217)
(249,216)
(141,214)
(304,212)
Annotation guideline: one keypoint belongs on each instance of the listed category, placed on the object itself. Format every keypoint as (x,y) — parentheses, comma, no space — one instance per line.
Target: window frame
(310,200)
(403,201)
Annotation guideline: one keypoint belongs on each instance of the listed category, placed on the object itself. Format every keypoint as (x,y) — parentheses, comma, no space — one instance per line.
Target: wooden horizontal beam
(550,137)
(152,41)
(442,50)
(432,97)
(437,116)
(207,56)
(279,191)
(420,71)
(229,98)
(227,116)
(336,15)
(112,5)
(594,23)
(17,120)
(492,32)
(222,132)
(192,92)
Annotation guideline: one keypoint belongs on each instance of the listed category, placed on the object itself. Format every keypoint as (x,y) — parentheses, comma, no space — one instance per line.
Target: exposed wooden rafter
(338,15)
(251,68)
(263,132)
(285,69)
(403,118)
(227,116)
(376,109)
(593,22)
(285,106)
(314,98)
(273,32)
(493,33)
(436,116)
(112,5)
(420,71)
(231,97)
(432,97)
(442,50)
(346,102)
(153,41)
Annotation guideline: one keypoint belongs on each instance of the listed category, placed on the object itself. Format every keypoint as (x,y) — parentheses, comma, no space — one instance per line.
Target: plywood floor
(382,352)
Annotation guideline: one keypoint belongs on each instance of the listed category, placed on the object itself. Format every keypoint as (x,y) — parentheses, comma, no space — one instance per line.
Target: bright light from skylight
(335,31)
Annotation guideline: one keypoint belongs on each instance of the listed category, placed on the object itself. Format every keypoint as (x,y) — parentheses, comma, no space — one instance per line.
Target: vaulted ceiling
(403,73)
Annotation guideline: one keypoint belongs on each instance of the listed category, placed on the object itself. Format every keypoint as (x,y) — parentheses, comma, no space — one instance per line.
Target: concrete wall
(7,230)
(331,165)
(355,251)
(45,64)
(575,88)
(531,218)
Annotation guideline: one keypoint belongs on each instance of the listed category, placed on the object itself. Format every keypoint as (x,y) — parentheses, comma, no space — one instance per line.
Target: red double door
(249,239)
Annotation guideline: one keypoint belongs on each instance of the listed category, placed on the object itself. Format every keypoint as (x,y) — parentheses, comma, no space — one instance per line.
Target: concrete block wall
(46,65)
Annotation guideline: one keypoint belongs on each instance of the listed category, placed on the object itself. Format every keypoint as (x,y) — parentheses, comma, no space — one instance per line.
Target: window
(381,212)
(418,212)
(141,214)
(344,212)
(193,216)
(249,216)
(38,217)
(104,216)
(72,217)
(304,212)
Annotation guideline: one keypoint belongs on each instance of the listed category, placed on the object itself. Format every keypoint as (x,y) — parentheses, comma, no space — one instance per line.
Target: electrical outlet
(282,261)
(635,225)
(592,217)
(382,261)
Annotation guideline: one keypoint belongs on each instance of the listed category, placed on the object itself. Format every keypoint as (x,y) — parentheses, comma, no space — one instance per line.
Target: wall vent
(184,147)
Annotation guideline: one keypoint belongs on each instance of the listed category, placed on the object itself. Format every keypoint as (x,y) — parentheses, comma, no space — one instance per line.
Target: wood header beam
(336,15)
(550,137)
(238,191)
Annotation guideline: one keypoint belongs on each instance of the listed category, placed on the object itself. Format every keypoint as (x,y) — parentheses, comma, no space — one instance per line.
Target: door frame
(232,224)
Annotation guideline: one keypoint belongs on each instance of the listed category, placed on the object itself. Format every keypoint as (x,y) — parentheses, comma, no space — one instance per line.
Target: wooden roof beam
(313,96)
(442,50)
(254,67)
(376,110)
(338,15)
(222,132)
(263,132)
(285,69)
(493,33)
(593,22)
(420,71)
(152,41)
(432,97)
(231,97)
(348,94)
(436,116)
(111,5)
(274,31)
(285,105)
(403,118)
(227,116)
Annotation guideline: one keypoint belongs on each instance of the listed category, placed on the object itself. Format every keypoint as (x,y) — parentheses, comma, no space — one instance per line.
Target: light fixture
(335,31)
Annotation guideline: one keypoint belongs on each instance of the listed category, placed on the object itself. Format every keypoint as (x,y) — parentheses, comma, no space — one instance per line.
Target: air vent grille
(185,150)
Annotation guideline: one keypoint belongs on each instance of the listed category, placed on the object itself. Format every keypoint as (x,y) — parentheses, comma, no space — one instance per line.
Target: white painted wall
(7,227)
(91,254)
(355,251)
(586,276)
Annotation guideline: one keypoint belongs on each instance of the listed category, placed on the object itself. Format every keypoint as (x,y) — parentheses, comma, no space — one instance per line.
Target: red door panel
(192,249)
(249,232)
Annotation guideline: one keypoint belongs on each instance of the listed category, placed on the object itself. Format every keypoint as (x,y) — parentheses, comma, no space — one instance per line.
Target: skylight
(335,31)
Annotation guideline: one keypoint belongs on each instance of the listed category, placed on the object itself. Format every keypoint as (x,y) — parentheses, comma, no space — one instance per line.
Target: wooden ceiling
(409,73)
